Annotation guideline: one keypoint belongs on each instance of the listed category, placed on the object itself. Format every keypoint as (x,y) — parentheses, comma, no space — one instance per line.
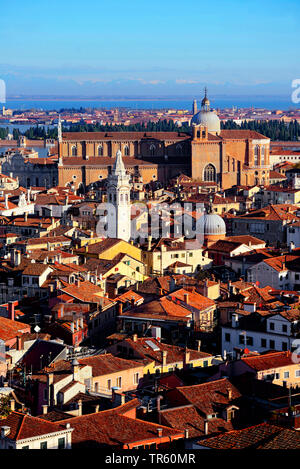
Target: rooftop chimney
(12,405)
(79,407)
(186,433)
(186,356)
(11,310)
(45,409)
(186,298)
(159,432)
(134,337)
(205,427)
(164,357)
(229,394)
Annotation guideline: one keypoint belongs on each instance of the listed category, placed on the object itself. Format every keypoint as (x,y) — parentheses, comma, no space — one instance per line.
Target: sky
(157,47)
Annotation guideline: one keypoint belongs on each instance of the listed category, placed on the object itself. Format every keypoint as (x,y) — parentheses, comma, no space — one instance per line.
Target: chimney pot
(205,427)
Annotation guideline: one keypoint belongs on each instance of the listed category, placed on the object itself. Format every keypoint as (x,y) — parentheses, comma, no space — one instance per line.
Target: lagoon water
(267,102)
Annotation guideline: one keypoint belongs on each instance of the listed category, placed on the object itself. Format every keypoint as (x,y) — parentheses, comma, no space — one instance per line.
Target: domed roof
(206,117)
(212,224)
(209,119)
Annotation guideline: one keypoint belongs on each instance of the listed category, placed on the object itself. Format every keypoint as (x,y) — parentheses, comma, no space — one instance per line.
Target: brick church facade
(227,157)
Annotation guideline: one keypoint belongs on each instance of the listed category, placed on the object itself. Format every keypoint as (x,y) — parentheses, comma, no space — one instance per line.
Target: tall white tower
(59,130)
(118,196)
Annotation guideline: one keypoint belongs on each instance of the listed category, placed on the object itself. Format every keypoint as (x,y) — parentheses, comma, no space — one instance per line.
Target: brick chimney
(205,427)
(11,310)
(186,356)
(19,342)
(79,407)
(164,357)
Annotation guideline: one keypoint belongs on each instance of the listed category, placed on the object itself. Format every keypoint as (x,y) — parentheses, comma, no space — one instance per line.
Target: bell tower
(118,198)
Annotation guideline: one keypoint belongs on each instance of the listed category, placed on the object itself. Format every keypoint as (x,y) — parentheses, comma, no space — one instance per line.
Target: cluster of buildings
(150,312)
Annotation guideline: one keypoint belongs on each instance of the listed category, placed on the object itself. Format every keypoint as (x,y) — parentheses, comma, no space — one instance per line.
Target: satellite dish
(37,329)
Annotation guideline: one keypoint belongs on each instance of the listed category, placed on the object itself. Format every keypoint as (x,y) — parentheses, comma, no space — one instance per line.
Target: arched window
(233,165)
(256,150)
(210,173)
(100,150)
(179,149)
(126,150)
(262,155)
(152,149)
(74,150)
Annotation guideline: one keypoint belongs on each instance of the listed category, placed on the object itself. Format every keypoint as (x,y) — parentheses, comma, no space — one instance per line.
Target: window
(74,151)
(272,344)
(109,384)
(277,375)
(262,155)
(284,328)
(205,363)
(241,339)
(100,150)
(256,149)
(209,173)
(249,340)
(136,378)
(263,343)
(119,382)
(297,373)
(126,150)
(43,445)
(284,346)
(227,337)
(286,374)
(152,150)
(272,326)
(25,447)
(61,443)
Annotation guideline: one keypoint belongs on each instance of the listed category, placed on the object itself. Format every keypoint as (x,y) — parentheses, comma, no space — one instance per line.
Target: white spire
(59,131)
(119,168)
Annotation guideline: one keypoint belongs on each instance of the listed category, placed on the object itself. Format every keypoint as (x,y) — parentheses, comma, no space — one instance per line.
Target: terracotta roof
(150,353)
(268,361)
(102,136)
(10,329)
(114,428)
(262,436)
(105,364)
(24,426)
(208,398)
(187,417)
(242,134)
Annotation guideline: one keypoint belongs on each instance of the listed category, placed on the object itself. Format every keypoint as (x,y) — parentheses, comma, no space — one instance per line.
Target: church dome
(209,119)
(212,224)
(206,117)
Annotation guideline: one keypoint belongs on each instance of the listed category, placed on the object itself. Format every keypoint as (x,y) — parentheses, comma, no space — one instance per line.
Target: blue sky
(168,47)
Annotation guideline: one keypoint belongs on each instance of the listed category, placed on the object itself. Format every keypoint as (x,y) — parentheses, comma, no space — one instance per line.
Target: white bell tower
(118,198)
